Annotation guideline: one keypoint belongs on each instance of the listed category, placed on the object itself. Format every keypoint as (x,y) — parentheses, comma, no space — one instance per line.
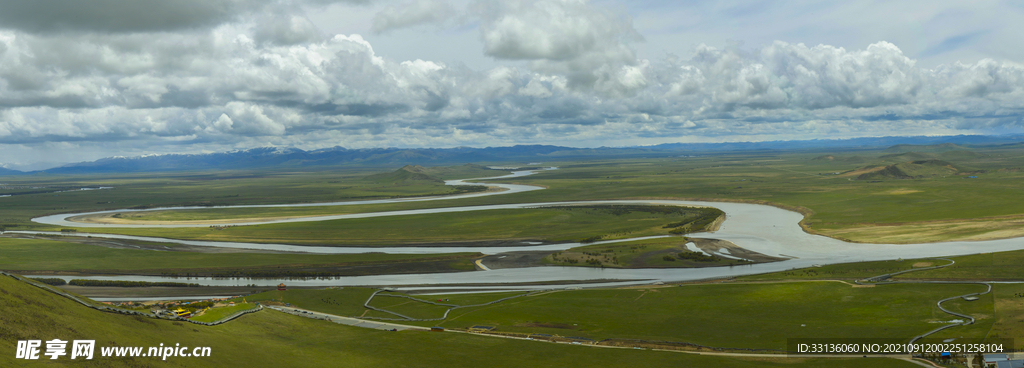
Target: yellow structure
(180,312)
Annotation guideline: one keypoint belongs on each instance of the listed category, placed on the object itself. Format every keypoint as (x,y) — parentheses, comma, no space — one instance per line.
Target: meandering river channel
(765,229)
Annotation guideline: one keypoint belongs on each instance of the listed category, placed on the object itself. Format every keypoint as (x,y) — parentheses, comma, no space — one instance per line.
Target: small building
(991,359)
(281,287)
(970,298)
(181,312)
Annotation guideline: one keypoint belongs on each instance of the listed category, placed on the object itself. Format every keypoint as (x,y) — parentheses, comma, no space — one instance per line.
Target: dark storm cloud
(116,16)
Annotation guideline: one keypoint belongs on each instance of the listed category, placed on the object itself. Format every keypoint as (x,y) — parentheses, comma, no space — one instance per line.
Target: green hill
(916,170)
(960,154)
(462,171)
(907,156)
(407,175)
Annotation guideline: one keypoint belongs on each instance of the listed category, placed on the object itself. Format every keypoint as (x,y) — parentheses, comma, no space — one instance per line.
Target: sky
(84,80)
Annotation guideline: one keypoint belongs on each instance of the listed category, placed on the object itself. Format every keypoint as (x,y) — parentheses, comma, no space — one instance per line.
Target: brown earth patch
(930,231)
(861,171)
(902,191)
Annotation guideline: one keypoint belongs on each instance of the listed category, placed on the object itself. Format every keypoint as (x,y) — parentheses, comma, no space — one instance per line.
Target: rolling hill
(917,170)
(408,174)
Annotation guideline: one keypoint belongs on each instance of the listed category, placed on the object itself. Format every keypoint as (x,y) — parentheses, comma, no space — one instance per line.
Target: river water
(765,229)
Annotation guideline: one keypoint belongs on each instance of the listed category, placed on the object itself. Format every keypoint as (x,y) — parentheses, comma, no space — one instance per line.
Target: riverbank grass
(53,256)
(996,266)
(551,224)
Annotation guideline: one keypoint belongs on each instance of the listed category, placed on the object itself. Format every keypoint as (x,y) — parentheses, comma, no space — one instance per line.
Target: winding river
(765,229)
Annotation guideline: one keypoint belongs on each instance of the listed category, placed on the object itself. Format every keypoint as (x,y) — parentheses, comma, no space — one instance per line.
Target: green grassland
(846,271)
(275,339)
(346,302)
(552,224)
(726,315)
(217,313)
(215,188)
(998,266)
(408,307)
(759,316)
(832,201)
(47,255)
(822,185)
(649,253)
(1009,313)
(983,310)
(827,187)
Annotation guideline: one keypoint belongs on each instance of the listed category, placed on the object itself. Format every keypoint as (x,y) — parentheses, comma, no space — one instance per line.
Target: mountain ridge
(271,157)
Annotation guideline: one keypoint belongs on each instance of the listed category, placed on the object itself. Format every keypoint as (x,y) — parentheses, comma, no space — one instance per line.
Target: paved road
(346,320)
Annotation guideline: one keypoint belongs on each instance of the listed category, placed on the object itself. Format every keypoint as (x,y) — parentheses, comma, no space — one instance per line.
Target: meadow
(33,255)
(740,316)
(217,313)
(865,196)
(282,340)
(43,194)
(997,266)
(650,253)
(548,224)
(827,187)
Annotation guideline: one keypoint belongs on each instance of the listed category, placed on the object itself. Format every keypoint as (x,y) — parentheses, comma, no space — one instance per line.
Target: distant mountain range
(292,157)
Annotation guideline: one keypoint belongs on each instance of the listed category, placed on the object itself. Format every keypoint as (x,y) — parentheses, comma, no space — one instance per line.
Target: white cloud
(285,29)
(797,76)
(569,75)
(413,13)
(568,37)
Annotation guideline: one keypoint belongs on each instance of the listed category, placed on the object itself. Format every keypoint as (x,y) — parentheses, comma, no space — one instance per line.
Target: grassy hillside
(916,170)
(273,339)
(407,175)
(907,156)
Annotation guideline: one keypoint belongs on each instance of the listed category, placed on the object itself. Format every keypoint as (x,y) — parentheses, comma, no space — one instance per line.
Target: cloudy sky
(84,80)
